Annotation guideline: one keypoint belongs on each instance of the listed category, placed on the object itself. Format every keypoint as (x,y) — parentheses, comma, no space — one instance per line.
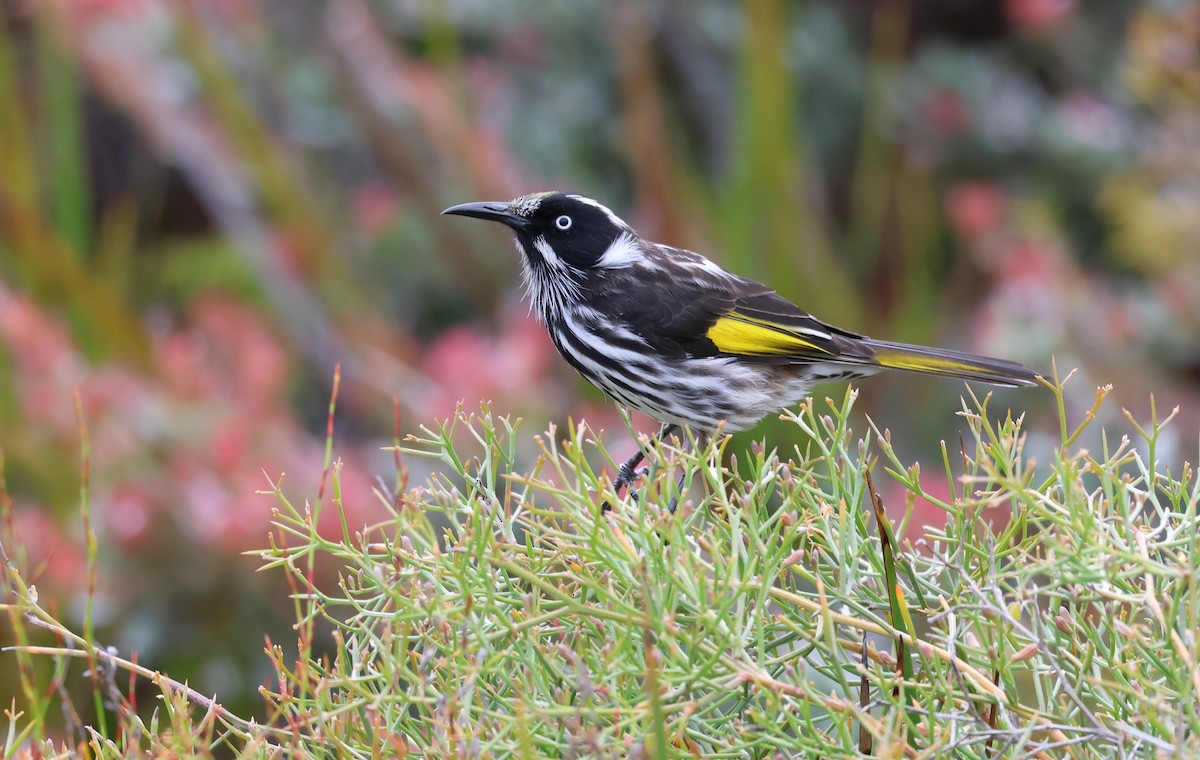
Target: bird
(669,333)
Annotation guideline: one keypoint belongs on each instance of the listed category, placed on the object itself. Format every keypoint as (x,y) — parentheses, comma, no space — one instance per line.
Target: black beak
(496,212)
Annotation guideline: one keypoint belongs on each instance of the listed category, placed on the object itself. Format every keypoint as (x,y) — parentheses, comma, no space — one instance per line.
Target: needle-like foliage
(501,611)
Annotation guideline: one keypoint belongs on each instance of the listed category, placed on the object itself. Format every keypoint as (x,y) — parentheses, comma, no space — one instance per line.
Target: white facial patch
(547,252)
(621,253)
(596,204)
(548,283)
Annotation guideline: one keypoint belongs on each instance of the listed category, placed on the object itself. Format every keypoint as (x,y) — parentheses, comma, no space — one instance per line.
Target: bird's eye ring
(563,222)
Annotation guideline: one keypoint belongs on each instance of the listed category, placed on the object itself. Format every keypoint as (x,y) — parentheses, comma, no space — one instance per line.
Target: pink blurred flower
(1022,264)
(455,361)
(946,112)
(375,207)
(45,364)
(90,11)
(236,12)
(212,411)
(38,341)
(1121,321)
(925,514)
(289,250)
(1038,15)
(237,343)
(113,389)
(469,366)
(53,558)
(524,44)
(229,444)
(183,367)
(129,514)
(1031,262)
(230,516)
(975,208)
(897,500)
(1089,119)
(359,503)
(123,413)
(524,346)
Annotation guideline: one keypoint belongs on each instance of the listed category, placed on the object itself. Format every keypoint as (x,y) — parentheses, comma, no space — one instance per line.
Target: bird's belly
(702,393)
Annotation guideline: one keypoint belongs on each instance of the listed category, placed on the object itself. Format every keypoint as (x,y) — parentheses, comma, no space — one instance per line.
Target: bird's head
(563,233)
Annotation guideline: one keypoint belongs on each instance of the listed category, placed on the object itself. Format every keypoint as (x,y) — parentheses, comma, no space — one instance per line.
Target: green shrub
(502,612)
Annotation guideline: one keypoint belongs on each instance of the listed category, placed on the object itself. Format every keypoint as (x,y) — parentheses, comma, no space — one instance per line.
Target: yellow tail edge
(937,361)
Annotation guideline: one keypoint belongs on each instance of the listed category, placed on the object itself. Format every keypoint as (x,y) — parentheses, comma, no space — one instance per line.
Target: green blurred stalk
(20,176)
(916,212)
(769,230)
(15,156)
(289,200)
(442,37)
(69,186)
(48,248)
(660,171)
(873,189)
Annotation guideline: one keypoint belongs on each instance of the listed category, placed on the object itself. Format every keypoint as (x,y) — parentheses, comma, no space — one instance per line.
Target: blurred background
(204,206)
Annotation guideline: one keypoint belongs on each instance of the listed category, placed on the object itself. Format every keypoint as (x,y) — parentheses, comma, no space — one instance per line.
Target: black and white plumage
(671,334)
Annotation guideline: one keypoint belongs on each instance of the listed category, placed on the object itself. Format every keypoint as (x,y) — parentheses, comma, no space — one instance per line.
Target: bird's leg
(674,502)
(628,471)
(701,443)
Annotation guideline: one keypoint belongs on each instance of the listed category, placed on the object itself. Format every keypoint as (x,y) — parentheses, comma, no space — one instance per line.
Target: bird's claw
(626,475)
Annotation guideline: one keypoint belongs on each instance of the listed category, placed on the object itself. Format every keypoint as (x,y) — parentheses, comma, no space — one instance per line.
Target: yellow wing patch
(736,333)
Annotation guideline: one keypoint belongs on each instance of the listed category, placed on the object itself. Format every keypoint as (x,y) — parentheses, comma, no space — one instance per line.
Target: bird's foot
(626,474)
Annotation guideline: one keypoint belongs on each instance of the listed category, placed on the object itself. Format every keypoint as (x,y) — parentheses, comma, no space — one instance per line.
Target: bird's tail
(936,361)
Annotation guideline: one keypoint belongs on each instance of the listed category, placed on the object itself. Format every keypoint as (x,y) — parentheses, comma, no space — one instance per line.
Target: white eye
(563,222)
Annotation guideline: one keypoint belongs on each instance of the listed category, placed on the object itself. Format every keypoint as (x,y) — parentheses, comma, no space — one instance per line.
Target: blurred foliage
(206,205)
